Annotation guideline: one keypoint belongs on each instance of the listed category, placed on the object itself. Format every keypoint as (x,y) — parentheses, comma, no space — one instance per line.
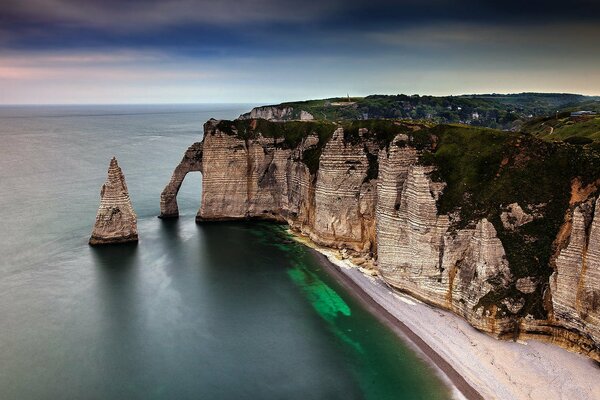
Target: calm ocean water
(217,311)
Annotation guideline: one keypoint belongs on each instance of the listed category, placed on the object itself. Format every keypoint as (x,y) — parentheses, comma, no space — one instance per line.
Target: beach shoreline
(456,383)
(473,365)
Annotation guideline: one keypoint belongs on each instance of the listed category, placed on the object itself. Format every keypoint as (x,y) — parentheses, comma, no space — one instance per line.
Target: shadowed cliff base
(124,241)
(268,217)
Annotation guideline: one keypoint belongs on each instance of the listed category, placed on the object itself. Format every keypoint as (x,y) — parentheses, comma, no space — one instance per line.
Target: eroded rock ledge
(116,221)
(487,224)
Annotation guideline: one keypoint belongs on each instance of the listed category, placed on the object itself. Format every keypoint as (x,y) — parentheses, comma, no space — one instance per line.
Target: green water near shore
(384,367)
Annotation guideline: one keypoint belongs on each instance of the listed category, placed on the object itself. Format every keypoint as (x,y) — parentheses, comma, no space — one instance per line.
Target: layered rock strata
(343,199)
(373,197)
(575,283)
(116,221)
(418,253)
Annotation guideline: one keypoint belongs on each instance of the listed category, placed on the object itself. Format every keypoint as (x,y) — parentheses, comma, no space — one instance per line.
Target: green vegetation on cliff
(381,132)
(564,127)
(289,134)
(489,110)
(286,135)
(486,170)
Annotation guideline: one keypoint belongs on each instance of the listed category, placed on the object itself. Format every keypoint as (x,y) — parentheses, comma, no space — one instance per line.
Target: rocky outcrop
(478,271)
(378,197)
(258,178)
(514,217)
(243,178)
(278,113)
(419,254)
(116,221)
(526,285)
(575,283)
(344,199)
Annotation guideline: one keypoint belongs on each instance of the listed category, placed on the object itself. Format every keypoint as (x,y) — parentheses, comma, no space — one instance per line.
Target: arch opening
(192,161)
(189,194)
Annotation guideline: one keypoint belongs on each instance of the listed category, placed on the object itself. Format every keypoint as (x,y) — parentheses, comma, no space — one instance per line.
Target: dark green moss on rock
(373,170)
(286,134)
(380,131)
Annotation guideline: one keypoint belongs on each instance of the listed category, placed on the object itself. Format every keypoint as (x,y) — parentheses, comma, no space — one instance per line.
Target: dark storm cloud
(218,24)
(271,50)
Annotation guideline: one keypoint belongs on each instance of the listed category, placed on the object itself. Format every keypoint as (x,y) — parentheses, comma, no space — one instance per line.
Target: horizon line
(276,102)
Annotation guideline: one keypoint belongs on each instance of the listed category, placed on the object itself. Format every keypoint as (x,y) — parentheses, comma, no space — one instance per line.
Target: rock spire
(116,221)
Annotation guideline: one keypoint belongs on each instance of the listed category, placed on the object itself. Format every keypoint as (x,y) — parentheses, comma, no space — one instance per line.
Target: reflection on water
(116,267)
(119,257)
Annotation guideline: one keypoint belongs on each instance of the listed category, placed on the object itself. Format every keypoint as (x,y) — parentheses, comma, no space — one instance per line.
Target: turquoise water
(213,311)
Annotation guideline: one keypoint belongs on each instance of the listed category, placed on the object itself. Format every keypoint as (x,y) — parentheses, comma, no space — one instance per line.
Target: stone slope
(449,214)
(116,221)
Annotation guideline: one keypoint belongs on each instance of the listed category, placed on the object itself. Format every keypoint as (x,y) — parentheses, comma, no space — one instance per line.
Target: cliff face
(469,220)
(418,253)
(116,221)
(575,283)
(343,198)
(278,113)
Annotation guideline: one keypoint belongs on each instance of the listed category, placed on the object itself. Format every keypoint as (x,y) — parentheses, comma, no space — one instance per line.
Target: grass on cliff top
(486,170)
(564,127)
(290,134)
(380,131)
(285,134)
(490,110)
(333,109)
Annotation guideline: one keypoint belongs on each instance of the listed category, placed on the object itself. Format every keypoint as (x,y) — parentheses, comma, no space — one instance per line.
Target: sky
(269,51)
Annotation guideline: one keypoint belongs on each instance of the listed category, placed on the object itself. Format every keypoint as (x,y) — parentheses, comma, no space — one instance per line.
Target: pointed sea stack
(116,221)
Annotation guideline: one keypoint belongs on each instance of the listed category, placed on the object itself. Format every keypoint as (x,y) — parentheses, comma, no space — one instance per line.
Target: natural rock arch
(192,161)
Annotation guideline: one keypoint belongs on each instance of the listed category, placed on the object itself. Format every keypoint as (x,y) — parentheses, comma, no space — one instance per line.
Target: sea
(194,311)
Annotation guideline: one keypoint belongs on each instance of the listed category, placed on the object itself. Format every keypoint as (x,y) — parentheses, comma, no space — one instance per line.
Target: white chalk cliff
(377,201)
